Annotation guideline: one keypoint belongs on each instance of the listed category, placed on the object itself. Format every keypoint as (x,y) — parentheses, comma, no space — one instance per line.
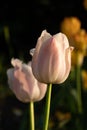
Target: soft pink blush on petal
(62,39)
(67,62)
(43,89)
(41,40)
(24,85)
(16,62)
(16,86)
(42,86)
(19,85)
(44,36)
(51,61)
(48,57)
(65,72)
(29,85)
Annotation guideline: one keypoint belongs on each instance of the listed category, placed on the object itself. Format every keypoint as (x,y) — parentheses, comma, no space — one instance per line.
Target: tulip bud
(23,83)
(51,61)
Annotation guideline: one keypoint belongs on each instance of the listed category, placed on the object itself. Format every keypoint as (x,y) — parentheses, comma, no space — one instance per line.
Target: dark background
(26,20)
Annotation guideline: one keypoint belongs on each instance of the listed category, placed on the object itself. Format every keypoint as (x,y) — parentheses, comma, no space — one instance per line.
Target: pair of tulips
(51,63)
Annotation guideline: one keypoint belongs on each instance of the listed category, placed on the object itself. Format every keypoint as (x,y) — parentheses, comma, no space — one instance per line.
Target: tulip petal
(51,61)
(23,83)
(32,51)
(66,68)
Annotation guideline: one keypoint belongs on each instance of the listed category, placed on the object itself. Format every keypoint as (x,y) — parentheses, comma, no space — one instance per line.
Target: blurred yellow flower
(62,116)
(84,79)
(59,119)
(77,58)
(70,25)
(77,36)
(80,40)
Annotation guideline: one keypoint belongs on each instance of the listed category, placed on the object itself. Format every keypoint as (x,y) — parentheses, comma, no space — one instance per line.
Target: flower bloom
(70,25)
(80,41)
(77,58)
(51,61)
(23,83)
(84,79)
(77,37)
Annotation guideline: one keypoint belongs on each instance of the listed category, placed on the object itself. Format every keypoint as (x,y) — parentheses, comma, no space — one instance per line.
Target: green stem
(78,84)
(32,116)
(47,107)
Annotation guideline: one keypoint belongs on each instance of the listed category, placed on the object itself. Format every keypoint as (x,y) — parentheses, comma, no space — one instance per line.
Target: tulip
(51,61)
(23,83)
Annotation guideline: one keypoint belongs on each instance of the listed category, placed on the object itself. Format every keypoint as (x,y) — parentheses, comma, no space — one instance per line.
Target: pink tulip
(51,62)
(23,83)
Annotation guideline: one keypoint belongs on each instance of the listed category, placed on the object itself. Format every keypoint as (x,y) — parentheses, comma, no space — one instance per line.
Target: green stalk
(32,116)
(78,84)
(47,107)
